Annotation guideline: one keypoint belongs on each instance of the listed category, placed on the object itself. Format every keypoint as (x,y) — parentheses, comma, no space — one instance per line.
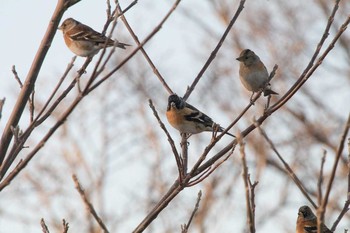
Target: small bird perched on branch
(253,73)
(85,41)
(307,222)
(188,119)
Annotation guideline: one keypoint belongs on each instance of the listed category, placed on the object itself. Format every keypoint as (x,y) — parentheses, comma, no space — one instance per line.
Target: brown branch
(44,227)
(88,204)
(206,173)
(65,226)
(215,51)
(32,75)
(335,165)
(185,227)
(184,153)
(176,187)
(16,76)
(245,175)
(170,139)
(108,75)
(288,169)
(309,70)
(143,51)
(320,180)
(2,102)
(347,202)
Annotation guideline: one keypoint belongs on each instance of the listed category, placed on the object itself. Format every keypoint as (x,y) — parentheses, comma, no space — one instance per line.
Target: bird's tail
(122,45)
(269,92)
(222,129)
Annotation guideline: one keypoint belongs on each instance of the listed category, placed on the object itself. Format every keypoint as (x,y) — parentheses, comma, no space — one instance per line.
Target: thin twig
(65,226)
(32,106)
(155,30)
(44,227)
(185,227)
(16,76)
(347,202)
(143,51)
(252,199)
(88,204)
(184,153)
(288,169)
(206,173)
(335,165)
(170,139)
(311,67)
(32,75)
(215,51)
(245,174)
(2,102)
(320,179)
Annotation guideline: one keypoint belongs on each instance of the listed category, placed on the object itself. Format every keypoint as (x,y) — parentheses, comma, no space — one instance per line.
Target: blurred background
(114,145)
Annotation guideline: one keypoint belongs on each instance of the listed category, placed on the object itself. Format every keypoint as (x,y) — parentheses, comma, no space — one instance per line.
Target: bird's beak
(60,28)
(239,58)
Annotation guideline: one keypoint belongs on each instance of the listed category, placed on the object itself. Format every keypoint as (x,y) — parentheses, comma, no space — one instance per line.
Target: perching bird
(188,119)
(307,222)
(253,73)
(83,40)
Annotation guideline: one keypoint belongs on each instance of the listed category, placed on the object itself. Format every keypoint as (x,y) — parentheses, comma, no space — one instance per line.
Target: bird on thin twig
(253,73)
(188,119)
(307,222)
(85,41)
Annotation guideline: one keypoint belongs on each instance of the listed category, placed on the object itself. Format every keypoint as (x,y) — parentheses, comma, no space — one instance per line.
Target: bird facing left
(188,119)
(85,41)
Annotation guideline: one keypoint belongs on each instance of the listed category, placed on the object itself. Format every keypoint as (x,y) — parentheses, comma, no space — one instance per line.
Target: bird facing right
(307,222)
(253,73)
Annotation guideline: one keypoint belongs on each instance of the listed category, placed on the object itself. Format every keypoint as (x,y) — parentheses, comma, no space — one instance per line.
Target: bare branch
(33,73)
(150,62)
(289,170)
(2,102)
(65,226)
(215,51)
(16,76)
(245,175)
(88,204)
(335,165)
(185,227)
(170,140)
(320,179)
(44,228)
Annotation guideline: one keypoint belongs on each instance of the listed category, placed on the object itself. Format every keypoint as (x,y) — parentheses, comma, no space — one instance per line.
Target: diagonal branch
(215,51)
(33,73)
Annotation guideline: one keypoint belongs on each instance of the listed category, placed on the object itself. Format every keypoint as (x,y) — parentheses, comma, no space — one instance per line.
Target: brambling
(188,119)
(253,73)
(307,221)
(83,40)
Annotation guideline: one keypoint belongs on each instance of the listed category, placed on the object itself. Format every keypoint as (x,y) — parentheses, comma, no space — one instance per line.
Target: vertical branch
(320,179)
(245,176)
(2,102)
(170,140)
(184,147)
(319,194)
(335,165)
(33,73)
(185,227)
(347,202)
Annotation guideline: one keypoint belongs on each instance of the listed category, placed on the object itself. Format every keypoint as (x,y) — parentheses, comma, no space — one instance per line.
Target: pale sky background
(23,24)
